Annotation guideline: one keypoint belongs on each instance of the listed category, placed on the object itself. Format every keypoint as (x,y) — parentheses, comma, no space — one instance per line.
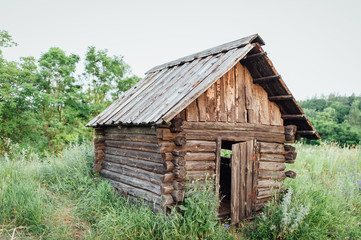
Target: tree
(106,76)
(55,89)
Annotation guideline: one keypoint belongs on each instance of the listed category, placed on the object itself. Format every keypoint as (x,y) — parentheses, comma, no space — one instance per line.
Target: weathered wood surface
(236,199)
(132,181)
(141,146)
(268,184)
(153,157)
(180,141)
(234,98)
(138,163)
(201,156)
(179,185)
(200,165)
(274,175)
(199,146)
(200,174)
(290,132)
(178,195)
(131,137)
(131,130)
(272,166)
(134,172)
(167,188)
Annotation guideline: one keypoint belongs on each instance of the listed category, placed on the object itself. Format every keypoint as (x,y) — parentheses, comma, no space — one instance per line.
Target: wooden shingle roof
(169,88)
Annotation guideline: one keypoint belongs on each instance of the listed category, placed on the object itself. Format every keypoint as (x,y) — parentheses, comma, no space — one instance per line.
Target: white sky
(314,45)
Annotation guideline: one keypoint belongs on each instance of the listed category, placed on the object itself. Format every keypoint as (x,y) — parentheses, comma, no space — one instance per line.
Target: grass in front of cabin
(58,197)
(326,198)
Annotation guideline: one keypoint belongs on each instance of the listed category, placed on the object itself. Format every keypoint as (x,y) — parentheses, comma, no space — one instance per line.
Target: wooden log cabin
(171,127)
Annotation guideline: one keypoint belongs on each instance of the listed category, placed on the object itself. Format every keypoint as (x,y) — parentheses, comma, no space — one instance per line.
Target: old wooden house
(171,127)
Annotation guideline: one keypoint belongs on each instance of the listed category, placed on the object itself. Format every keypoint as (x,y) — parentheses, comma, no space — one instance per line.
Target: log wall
(133,162)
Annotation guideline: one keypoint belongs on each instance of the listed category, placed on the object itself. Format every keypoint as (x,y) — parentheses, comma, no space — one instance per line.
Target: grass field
(57,197)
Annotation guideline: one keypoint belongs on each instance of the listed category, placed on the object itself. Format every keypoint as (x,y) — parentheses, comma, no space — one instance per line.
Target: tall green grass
(58,197)
(326,199)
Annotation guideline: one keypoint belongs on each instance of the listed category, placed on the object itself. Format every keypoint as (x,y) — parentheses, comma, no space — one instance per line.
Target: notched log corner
(290,174)
(176,125)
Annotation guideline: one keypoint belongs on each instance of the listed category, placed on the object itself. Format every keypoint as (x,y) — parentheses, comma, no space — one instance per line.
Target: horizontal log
(180,153)
(200,146)
(167,156)
(180,141)
(99,147)
(132,137)
(179,185)
(178,195)
(291,156)
(166,188)
(138,163)
(200,175)
(132,181)
(274,175)
(266,79)
(306,132)
(202,156)
(136,192)
(99,131)
(141,146)
(200,165)
(168,165)
(272,166)
(280,98)
(294,116)
(254,56)
(268,184)
(290,132)
(153,157)
(212,135)
(247,127)
(132,130)
(290,161)
(180,172)
(179,161)
(134,172)
(99,141)
(167,200)
(290,174)
(166,135)
(97,167)
(289,148)
(265,192)
(272,157)
(272,148)
(168,177)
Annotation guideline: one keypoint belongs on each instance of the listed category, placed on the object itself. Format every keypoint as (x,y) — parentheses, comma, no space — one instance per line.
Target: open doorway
(225,180)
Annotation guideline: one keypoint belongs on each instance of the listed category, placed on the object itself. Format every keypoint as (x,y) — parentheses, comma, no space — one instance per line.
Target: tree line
(336,118)
(45,105)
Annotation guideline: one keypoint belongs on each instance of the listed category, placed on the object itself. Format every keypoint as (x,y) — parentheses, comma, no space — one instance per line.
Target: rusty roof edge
(221,48)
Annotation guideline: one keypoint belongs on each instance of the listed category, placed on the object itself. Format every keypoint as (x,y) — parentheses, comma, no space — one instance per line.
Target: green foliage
(336,118)
(43,104)
(327,187)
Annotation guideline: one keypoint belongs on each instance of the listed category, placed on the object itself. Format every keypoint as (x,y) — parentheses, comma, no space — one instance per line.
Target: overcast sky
(314,45)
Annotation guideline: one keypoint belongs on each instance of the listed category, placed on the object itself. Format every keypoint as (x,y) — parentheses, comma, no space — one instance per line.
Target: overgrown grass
(58,197)
(326,199)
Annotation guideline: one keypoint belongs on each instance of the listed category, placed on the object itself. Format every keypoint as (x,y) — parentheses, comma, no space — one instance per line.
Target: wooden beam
(266,79)
(254,56)
(280,98)
(306,132)
(294,116)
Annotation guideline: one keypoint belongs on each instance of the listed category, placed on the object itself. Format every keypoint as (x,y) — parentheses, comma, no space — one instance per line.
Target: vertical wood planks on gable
(231,111)
(241,112)
(275,115)
(249,97)
(192,112)
(222,115)
(211,103)
(201,103)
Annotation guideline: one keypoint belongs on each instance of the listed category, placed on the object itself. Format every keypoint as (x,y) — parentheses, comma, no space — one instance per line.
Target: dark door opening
(225,180)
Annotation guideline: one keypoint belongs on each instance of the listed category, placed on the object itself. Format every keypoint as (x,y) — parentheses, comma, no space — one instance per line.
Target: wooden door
(244,179)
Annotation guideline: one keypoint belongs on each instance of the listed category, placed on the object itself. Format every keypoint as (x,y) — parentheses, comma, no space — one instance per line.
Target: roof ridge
(211,51)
